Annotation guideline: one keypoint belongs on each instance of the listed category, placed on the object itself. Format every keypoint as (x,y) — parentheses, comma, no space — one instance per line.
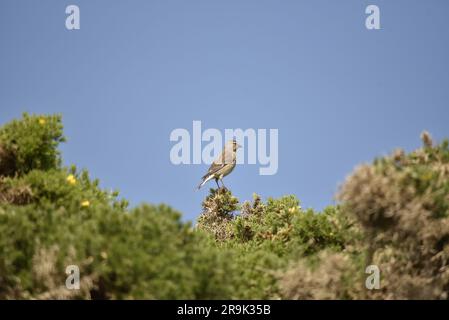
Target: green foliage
(218,209)
(59,187)
(52,217)
(266,237)
(145,253)
(402,204)
(330,229)
(393,213)
(33,142)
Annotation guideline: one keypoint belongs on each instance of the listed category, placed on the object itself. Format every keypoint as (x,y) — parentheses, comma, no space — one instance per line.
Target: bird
(223,165)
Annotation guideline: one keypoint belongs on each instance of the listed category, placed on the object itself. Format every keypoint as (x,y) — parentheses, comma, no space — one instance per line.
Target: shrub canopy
(392,213)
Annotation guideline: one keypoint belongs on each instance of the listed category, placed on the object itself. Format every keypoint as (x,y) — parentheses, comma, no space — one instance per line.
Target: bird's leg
(224,187)
(218,186)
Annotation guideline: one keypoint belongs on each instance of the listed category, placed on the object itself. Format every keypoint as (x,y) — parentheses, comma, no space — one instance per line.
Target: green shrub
(145,253)
(393,213)
(32,141)
(52,217)
(400,205)
(265,238)
(60,187)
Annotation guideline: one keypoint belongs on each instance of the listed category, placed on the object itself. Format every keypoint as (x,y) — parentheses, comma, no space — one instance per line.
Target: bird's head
(235,145)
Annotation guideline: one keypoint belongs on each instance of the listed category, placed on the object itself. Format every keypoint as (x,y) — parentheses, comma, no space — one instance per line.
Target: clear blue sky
(338,93)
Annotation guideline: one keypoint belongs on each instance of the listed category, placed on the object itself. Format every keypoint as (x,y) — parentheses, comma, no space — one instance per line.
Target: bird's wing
(214,167)
(226,157)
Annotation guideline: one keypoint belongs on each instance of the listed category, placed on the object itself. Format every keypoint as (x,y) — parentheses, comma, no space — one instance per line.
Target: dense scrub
(392,213)
(401,205)
(52,217)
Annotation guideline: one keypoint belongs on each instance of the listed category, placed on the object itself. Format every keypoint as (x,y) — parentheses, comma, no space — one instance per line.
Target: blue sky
(339,94)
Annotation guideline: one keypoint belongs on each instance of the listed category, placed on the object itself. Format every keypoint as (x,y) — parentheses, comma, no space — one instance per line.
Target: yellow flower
(104,255)
(85,203)
(71,179)
(294,209)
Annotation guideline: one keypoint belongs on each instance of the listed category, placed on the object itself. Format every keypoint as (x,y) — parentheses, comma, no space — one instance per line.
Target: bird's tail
(200,185)
(205,179)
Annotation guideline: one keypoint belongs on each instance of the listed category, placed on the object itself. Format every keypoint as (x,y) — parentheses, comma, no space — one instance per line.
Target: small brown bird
(223,165)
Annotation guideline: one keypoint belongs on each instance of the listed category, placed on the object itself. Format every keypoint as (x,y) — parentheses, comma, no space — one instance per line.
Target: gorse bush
(392,213)
(219,207)
(266,238)
(145,253)
(52,217)
(402,203)
(30,143)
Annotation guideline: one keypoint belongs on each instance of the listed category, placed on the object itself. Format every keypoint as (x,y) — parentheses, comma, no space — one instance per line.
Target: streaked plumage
(223,165)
